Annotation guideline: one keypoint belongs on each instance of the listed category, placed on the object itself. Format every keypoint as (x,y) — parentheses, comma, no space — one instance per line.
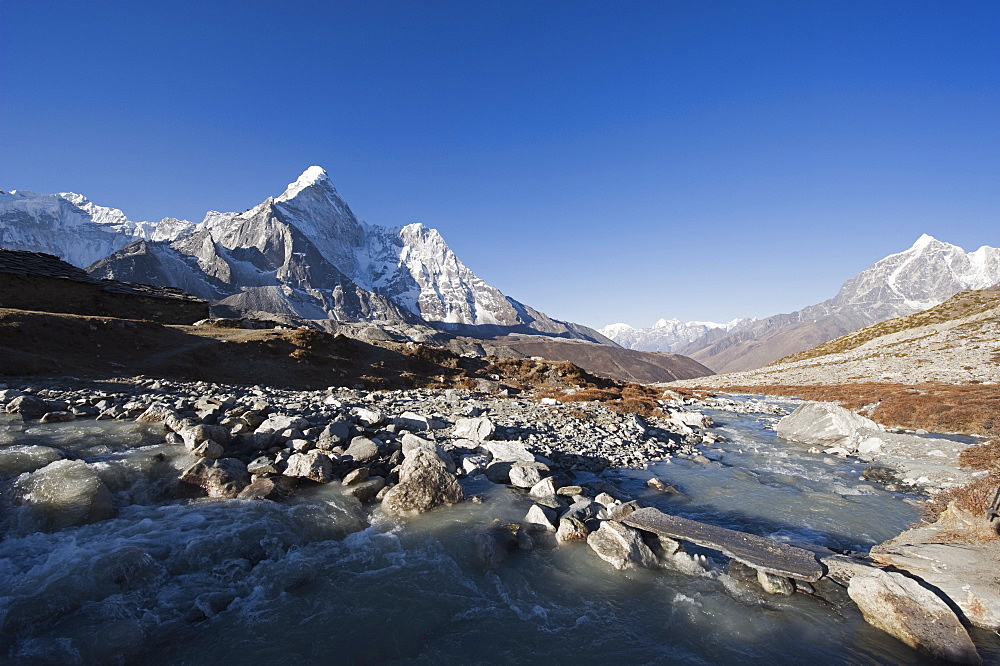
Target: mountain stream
(318,579)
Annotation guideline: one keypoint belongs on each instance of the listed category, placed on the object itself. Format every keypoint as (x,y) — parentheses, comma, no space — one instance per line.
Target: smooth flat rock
(902,608)
(758,552)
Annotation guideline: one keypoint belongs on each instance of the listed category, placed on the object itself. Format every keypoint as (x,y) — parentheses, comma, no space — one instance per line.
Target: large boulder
(196,435)
(64,493)
(827,425)
(951,555)
(621,546)
(901,607)
(223,478)
(424,484)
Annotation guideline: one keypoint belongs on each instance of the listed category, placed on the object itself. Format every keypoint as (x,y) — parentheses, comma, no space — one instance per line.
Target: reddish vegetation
(971,408)
(624,399)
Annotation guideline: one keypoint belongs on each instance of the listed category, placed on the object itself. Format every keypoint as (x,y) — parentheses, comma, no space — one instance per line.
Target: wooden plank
(759,552)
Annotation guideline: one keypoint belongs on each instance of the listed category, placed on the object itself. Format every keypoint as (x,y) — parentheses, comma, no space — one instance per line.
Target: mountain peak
(314,175)
(923,241)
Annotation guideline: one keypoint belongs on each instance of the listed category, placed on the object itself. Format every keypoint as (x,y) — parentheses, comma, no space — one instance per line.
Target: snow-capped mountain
(303,253)
(72,227)
(667,335)
(925,275)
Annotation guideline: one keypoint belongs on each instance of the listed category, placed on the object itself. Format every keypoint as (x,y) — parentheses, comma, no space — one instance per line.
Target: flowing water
(311,581)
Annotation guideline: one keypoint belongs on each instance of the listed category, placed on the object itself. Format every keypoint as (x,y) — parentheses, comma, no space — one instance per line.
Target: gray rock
(544,488)
(571,528)
(412,421)
(195,435)
(313,465)
(621,546)
(526,475)
(825,424)
(499,472)
(208,449)
(366,491)
(263,465)
(424,484)
(411,443)
(355,476)
(473,464)
(902,608)
(28,406)
(509,452)
(274,488)
(477,429)
(362,450)
(541,518)
(58,417)
(334,434)
(156,413)
(369,418)
(223,478)
(774,584)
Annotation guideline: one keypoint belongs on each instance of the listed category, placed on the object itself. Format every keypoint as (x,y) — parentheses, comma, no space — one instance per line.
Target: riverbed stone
(362,450)
(274,488)
(20,458)
(28,406)
(63,416)
(313,465)
(411,443)
(774,584)
(544,488)
(424,484)
(355,476)
(825,424)
(526,475)
(476,429)
(367,490)
(621,546)
(223,478)
(901,607)
(509,451)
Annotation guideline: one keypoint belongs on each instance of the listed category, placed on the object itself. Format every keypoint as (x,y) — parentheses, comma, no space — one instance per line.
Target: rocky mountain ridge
(302,254)
(926,274)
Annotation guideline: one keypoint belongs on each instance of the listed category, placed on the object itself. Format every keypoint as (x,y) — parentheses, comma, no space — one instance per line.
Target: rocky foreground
(405,452)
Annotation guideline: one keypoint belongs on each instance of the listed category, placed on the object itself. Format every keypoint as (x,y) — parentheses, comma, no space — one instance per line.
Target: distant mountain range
(668,335)
(925,275)
(302,254)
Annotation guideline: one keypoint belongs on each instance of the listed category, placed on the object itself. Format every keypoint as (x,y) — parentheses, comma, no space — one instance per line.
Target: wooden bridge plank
(759,552)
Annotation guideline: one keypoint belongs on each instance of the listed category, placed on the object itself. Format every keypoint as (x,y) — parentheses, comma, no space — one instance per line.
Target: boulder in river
(223,478)
(65,493)
(424,484)
(28,406)
(827,425)
(621,546)
(313,465)
(901,607)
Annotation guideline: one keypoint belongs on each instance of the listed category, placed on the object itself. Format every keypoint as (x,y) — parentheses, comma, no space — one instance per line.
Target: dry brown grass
(983,457)
(625,399)
(970,408)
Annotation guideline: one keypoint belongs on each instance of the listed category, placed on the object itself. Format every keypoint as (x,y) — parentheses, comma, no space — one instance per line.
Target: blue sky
(600,161)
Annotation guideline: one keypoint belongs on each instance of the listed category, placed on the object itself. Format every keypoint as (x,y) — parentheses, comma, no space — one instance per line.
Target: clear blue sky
(600,161)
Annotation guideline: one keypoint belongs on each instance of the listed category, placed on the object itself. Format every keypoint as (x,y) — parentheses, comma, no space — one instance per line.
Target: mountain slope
(957,342)
(926,274)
